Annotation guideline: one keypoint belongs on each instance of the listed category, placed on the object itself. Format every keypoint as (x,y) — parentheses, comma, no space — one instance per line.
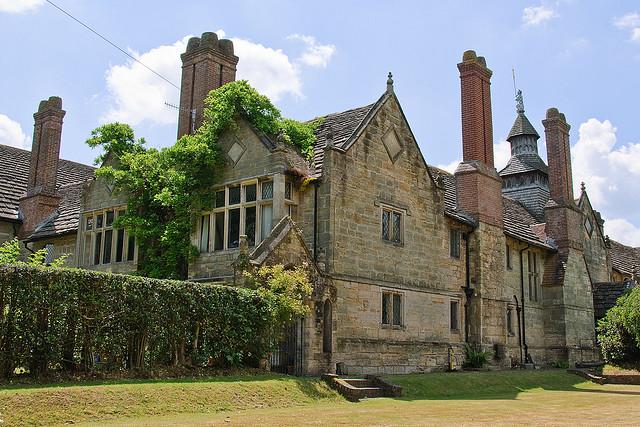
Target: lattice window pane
(267,190)
(234,195)
(219,199)
(386,309)
(109,218)
(385,224)
(397,227)
(250,225)
(250,193)
(288,189)
(397,309)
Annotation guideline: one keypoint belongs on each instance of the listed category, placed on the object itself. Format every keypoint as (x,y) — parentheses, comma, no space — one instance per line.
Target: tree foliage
(10,254)
(167,188)
(619,331)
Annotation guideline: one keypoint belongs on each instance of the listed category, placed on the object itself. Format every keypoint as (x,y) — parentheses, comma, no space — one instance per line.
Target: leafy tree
(619,331)
(10,255)
(168,188)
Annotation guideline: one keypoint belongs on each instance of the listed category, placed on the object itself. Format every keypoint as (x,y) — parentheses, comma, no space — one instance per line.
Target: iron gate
(288,357)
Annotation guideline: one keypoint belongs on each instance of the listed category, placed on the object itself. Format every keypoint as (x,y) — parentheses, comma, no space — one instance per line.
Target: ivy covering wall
(57,319)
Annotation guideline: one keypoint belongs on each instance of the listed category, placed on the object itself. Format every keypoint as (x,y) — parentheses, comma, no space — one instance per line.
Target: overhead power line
(112,44)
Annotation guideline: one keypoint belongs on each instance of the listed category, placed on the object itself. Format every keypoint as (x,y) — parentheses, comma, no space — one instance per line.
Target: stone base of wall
(380,357)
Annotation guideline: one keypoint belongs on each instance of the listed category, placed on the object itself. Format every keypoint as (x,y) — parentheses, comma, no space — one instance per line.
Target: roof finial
(583,187)
(390,83)
(519,102)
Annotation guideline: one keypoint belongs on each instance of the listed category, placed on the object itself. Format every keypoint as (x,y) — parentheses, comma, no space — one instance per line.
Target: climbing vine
(167,188)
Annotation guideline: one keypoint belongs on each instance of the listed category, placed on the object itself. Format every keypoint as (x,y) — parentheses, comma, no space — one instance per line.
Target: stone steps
(354,389)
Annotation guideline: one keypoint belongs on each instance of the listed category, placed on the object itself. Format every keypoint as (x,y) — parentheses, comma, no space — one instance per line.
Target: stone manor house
(408,261)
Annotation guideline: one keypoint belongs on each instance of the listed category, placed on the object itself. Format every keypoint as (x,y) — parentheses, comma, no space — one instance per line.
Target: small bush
(616,343)
(475,357)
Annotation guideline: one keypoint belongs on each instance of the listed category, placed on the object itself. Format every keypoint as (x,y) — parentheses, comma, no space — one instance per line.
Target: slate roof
(524,163)
(606,294)
(624,257)
(343,125)
(14,174)
(518,223)
(65,219)
(522,126)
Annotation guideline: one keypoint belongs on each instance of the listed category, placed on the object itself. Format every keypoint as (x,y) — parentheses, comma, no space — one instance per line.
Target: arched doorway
(327,332)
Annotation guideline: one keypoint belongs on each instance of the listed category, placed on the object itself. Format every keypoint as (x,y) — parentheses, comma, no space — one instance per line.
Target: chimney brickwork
(42,198)
(207,64)
(479,187)
(477,125)
(563,217)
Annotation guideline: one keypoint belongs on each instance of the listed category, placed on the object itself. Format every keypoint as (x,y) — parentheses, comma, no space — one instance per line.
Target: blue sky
(314,58)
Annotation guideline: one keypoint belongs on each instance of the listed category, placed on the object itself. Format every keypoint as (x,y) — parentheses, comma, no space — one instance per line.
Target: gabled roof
(521,163)
(522,126)
(624,258)
(65,219)
(14,175)
(450,196)
(342,126)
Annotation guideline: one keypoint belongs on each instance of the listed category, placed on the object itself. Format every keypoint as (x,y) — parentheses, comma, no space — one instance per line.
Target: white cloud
(630,21)
(11,133)
(611,174)
(536,15)
(19,6)
(623,231)
(450,167)
(138,95)
(269,70)
(315,54)
(501,154)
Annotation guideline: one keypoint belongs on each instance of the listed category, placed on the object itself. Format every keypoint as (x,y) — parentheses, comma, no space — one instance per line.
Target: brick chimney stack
(207,64)
(477,125)
(479,187)
(42,198)
(563,218)
(556,131)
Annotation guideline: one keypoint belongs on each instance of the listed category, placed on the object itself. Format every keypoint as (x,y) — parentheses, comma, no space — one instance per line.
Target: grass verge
(50,405)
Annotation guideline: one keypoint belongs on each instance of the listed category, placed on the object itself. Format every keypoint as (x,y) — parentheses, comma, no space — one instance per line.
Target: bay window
(102,242)
(240,209)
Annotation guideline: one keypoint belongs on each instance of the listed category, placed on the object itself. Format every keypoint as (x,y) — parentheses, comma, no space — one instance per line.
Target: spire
(390,83)
(519,102)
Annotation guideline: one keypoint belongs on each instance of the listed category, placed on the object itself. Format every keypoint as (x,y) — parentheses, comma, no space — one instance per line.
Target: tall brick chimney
(42,198)
(556,130)
(479,186)
(207,64)
(563,218)
(477,124)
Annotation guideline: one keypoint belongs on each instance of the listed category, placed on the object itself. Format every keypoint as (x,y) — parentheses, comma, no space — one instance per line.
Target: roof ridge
(62,160)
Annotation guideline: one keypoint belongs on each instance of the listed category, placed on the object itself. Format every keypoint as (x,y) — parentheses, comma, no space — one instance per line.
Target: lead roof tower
(526,176)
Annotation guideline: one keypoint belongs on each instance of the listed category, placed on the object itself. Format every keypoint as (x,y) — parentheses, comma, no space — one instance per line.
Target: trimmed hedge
(58,318)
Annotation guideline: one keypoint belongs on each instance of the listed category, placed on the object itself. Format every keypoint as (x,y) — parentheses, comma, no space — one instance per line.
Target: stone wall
(62,245)
(7,231)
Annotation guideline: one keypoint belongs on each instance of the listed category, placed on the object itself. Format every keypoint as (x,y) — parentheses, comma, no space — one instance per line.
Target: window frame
(243,205)
(392,211)
(391,321)
(454,251)
(90,238)
(456,302)
(533,275)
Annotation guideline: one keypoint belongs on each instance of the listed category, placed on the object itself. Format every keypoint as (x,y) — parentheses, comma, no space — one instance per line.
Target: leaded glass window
(392,313)
(392,225)
(267,190)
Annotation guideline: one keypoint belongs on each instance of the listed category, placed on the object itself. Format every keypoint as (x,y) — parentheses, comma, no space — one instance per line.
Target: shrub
(618,330)
(80,319)
(475,357)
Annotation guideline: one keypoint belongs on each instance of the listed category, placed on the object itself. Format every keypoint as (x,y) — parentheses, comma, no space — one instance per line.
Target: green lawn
(551,397)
